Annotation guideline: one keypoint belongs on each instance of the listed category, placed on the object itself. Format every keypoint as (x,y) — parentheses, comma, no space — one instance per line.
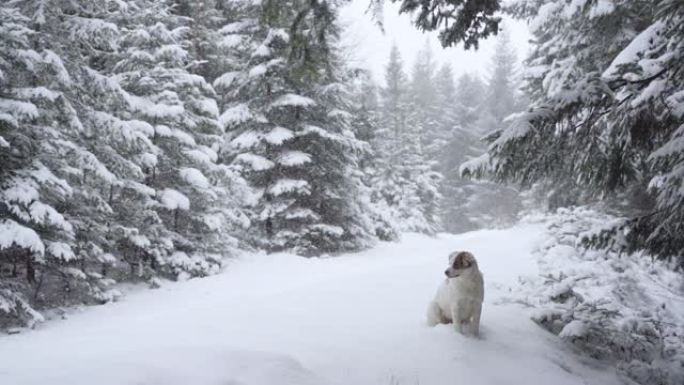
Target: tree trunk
(111,193)
(30,269)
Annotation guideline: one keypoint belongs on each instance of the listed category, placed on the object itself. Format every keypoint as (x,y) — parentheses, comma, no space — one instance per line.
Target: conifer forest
(290,204)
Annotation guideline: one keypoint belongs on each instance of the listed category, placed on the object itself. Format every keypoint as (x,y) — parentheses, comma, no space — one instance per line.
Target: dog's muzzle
(446,272)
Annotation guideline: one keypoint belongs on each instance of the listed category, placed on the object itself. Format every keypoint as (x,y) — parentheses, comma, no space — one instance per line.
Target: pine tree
(470,98)
(461,141)
(471,204)
(289,127)
(109,152)
(424,139)
(395,109)
(447,112)
(59,168)
(501,92)
(365,124)
(423,104)
(406,180)
(29,222)
(253,86)
(192,203)
(105,146)
(204,20)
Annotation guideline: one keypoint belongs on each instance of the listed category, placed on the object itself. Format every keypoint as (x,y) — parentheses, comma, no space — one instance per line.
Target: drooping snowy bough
(607,119)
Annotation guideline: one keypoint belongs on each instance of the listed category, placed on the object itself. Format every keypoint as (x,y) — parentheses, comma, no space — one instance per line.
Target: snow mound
(182,365)
(627,309)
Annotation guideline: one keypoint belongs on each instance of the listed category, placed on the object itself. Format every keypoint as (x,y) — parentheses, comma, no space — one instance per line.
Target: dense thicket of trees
(429,124)
(154,138)
(142,139)
(405,184)
(289,121)
(502,94)
(110,153)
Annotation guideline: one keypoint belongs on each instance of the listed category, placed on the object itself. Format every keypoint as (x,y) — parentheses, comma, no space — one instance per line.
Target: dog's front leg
(475,322)
(456,319)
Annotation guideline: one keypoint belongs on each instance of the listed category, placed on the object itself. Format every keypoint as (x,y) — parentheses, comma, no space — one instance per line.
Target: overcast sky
(372,47)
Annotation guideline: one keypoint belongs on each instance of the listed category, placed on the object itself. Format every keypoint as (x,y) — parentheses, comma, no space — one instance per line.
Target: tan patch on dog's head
(459,261)
(463,259)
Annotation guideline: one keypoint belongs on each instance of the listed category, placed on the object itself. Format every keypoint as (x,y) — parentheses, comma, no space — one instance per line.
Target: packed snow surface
(280,319)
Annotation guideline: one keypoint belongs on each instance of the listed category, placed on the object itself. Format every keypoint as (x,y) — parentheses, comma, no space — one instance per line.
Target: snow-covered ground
(280,319)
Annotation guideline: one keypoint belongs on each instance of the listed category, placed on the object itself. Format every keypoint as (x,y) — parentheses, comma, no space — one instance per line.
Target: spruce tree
(470,98)
(29,191)
(190,191)
(501,91)
(461,142)
(289,130)
(406,180)
(57,191)
(423,103)
(365,110)
(447,112)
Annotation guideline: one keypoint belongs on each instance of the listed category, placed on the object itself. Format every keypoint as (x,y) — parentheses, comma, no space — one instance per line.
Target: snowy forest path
(279,320)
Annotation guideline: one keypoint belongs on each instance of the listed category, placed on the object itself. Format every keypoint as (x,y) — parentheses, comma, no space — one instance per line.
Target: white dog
(459,297)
